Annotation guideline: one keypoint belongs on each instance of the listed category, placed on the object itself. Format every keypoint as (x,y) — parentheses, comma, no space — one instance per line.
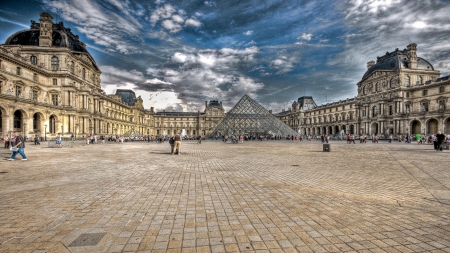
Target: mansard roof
(396,60)
(61,37)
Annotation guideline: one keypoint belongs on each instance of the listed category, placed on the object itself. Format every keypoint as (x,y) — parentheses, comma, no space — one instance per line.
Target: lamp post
(45,132)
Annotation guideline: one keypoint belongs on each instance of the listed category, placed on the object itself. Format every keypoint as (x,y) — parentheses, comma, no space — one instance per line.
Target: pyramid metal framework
(249,117)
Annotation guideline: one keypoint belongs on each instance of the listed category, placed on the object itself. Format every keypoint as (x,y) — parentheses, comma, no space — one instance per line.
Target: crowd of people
(16,142)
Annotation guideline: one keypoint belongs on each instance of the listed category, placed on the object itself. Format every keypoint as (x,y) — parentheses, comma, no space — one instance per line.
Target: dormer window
(72,67)
(407,81)
(33,60)
(55,63)
(392,83)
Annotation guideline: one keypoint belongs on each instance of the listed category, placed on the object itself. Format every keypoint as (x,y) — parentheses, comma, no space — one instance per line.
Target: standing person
(36,140)
(59,141)
(19,143)
(172,144)
(440,138)
(6,140)
(352,139)
(200,139)
(241,138)
(390,138)
(177,143)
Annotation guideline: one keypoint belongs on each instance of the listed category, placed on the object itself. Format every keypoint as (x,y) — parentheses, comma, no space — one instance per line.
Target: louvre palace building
(50,84)
(399,94)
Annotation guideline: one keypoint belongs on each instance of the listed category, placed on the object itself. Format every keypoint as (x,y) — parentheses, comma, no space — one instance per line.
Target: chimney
(206,104)
(152,109)
(412,55)
(370,64)
(282,110)
(46,30)
(270,111)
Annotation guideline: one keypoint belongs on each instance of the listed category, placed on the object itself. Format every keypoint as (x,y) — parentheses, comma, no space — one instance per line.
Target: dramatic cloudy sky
(177,53)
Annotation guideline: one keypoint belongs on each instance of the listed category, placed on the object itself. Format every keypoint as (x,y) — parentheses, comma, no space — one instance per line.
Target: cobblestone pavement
(269,196)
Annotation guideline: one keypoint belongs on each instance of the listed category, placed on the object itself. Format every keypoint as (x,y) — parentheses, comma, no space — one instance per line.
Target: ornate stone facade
(49,82)
(400,94)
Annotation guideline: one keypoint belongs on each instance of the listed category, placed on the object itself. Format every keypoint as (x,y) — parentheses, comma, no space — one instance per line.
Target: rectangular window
(35,77)
(18,91)
(408,108)
(343,107)
(391,110)
(425,107)
(35,94)
(425,92)
(55,100)
(18,71)
(442,89)
(441,104)
(55,81)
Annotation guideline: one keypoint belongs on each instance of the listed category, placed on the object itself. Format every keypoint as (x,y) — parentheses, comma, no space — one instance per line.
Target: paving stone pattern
(260,196)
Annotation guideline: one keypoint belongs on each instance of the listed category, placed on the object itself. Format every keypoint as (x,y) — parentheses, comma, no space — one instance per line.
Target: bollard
(326,147)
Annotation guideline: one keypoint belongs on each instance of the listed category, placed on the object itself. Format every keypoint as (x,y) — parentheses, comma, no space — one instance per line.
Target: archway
(415,127)
(336,129)
(374,128)
(330,130)
(52,124)
(432,126)
(344,128)
(447,126)
(37,122)
(1,120)
(18,121)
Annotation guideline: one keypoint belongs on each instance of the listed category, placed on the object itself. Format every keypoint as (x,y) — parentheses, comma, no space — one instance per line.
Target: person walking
(59,141)
(19,143)
(200,139)
(440,138)
(177,143)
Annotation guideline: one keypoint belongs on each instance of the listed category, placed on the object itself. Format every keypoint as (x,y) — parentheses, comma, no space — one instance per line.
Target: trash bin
(326,147)
(445,146)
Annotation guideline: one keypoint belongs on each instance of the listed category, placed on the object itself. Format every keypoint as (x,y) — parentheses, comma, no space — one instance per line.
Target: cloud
(172,20)
(205,72)
(192,22)
(285,62)
(305,36)
(378,26)
(248,33)
(95,22)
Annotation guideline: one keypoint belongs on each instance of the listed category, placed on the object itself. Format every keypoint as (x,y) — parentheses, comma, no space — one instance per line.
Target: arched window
(72,67)
(374,111)
(33,60)
(83,73)
(55,63)
(407,81)
(420,80)
(392,83)
(377,87)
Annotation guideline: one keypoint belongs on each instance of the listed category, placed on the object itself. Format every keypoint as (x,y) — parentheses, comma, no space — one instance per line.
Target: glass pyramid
(249,117)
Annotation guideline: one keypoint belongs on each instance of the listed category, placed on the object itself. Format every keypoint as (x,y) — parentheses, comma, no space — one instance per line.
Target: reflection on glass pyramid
(249,117)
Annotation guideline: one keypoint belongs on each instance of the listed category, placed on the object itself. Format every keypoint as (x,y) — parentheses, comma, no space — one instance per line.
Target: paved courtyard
(270,196)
